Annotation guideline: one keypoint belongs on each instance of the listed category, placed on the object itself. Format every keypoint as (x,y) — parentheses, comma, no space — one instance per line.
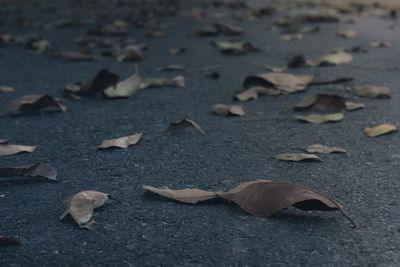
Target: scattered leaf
(321,102)
(81,207)
(318,148)
(296,61)
(285,82)
(40,46)
(348,34)
(350,106)
(178,81)
(122,142)
(131,53)
(297,157)
(5,141)
(32,103)
(177,51)
(234,47)
(6,241)
(318,119)
(8,149)
(32,170)
(259,197)
(6,89)
(116,28)
(187,195)
(290,37)
(253,92)
(101,81)
(228,29)
(334,59)
(171,67)
(224,110)
(380,130)
(125,88)
(177,127)
(371,91)
(274,69)
(379,44)
(75,56)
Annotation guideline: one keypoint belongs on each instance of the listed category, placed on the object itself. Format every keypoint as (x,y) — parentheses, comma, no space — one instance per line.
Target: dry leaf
(321,102)
(224,110)
(264,198)
(6,89)
(318,148)
(81,207)
(274,69)
(178,81)
(334,59)
(350,106)
(6,241)
(110,29)
(234,47)
(131,53)
(75,56)
(39,46)
(318,119)
(228,29)
(177,127)
(187,195)
(253,92)
(177,51)
(380,130)
(7,149)
(96,84)
(348,34)
(32,170)
(297,157)
(259,197)
(122,142)
(125,88)
(370,91)
(172,67)
(379,44)
(286,82)
(290,37)
(5,141)
(32,103)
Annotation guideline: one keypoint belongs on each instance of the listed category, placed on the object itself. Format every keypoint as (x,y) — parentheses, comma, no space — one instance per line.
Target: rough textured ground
(149,230)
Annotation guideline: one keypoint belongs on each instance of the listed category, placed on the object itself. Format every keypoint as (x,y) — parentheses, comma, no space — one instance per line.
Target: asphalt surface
(149,230)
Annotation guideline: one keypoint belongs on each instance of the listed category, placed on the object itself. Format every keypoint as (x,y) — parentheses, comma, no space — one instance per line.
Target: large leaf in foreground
(32,103)
(259,197)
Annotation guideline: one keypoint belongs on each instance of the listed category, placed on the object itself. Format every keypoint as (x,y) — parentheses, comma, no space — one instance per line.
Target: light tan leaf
(321,102)
(32,103)
(379,44)
(253,92)
(264,198)
(334,59)
(283,81)
(81,207)
(5,141)
(6,89)
(8,149)
(187,195)
(318,148)
(228,29)
(32,170)
(178,81)
(297,157)
(131,53)
(125,88)
(234,47)
(318,119)
(350,106)
(224,110)
(380,130)
(348,34)
(122,142)
(371,91)
(290,37)
(177,127)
